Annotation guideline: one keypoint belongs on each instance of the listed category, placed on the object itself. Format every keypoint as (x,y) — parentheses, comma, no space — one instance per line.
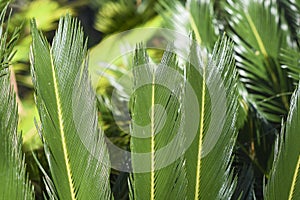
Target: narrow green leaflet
(284,182)
(156,121)
(75,148)
(209,158)
(13,177)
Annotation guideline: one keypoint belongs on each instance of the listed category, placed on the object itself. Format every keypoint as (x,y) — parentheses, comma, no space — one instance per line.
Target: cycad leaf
(157,116)
(255,28)
(76,152)
(13,178)
(175,15)
(209,158)
(7,41)
(284,181)
(202,21)
(291,11)
(198,15)
(290,59)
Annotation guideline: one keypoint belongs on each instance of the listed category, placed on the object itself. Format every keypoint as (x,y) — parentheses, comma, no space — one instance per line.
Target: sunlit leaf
(75,149)
(209,158)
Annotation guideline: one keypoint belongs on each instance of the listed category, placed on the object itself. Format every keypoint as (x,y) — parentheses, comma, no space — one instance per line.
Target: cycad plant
(13,176)
(192,121)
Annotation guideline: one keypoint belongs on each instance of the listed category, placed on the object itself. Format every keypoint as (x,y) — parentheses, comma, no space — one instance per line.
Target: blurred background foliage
(266,36)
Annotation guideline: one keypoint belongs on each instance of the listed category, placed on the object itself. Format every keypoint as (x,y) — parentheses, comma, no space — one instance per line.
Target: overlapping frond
(75,148)
(284,182)
(197,15)
(202,21)
(256,29)
(13,177)
(157,160)
(206,139)
(209,158)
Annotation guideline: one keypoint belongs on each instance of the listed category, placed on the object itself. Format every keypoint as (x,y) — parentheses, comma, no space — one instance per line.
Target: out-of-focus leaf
(122,15)
(115,46)
(31,139)
(291,11)
(290,59)
(198,15)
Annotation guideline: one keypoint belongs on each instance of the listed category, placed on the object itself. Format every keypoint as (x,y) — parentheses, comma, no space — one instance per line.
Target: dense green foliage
(60,102)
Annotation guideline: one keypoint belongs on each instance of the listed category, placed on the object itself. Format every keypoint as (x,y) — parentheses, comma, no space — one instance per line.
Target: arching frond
(256,29)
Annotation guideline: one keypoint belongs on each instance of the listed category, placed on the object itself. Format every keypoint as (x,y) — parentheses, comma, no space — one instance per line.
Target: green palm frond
(290,59)
(204,170)
(75,149)
(175,16)
(198,15)
(13,177)
(7,42)
(284,182)
(209,158)
(255,28)
(154,127)
(202,21)
(291,11)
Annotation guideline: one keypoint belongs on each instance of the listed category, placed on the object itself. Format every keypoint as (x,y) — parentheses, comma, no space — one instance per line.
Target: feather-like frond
(13,177)
(197,15)
(255,28)
(209,158)
(75,148)
(203,172)
(157,116)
